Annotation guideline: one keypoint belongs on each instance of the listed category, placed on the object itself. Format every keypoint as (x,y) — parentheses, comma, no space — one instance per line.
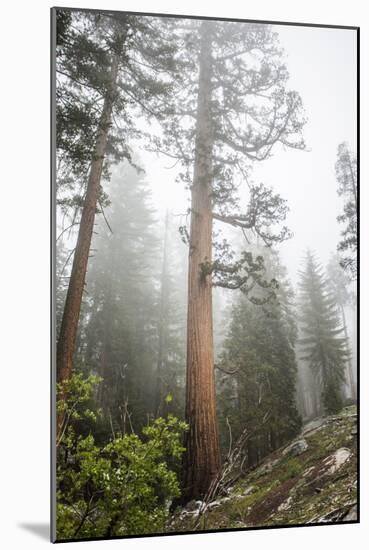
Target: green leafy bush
(122,488)
(73,406)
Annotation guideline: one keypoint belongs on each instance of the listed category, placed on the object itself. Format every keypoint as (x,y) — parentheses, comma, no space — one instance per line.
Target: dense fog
(273,128)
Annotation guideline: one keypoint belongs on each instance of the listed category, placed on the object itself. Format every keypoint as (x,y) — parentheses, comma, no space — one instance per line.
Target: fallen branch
(223,480)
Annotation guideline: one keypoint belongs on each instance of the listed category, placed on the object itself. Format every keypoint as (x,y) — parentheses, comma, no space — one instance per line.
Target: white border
(24,302)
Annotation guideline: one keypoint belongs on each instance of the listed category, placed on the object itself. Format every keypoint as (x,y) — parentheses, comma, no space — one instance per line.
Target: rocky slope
(312,480)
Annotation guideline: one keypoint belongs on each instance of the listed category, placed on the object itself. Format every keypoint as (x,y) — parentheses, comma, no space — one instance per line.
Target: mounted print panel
(204,340)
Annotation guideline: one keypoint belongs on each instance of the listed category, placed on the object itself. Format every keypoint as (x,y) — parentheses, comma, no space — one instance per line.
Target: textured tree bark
(202,458)
(69,325)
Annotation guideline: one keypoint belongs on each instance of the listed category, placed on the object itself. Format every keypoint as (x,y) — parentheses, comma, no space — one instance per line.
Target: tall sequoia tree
(321,341)
(108,65)
(241,111)
(346,174)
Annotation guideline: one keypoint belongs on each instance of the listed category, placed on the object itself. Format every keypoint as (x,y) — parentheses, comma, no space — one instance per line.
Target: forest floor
(311,480)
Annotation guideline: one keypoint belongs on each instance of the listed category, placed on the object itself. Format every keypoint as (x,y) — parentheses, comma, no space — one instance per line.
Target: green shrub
(121,488)
(291,468)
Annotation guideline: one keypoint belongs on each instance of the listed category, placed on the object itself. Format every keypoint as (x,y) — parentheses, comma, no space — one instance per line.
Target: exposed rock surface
(267,467)
(336,460)
(193,505)
(313,425)
(351,514)
(296,448)
(311,480)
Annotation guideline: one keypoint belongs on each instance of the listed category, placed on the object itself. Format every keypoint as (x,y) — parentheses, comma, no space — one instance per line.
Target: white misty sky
(322,67)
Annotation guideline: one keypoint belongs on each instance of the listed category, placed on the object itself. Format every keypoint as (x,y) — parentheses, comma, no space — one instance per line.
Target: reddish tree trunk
(69,325)
(202,458)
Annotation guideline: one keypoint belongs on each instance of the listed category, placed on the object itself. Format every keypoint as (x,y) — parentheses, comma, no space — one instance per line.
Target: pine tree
(121,313)
(339,282)
(322,345)
(171,325)
(346,174)
(259,394)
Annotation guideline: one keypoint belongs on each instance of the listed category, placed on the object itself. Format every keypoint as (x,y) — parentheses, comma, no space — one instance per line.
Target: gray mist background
(322,67)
